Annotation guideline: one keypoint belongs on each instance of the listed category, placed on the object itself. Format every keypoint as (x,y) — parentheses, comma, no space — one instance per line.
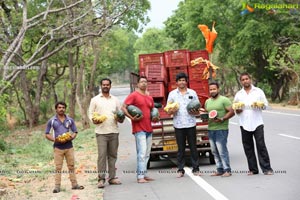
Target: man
(251,124)
(184,123)
(218,129)
(141,126)
(61,123)
(107,133)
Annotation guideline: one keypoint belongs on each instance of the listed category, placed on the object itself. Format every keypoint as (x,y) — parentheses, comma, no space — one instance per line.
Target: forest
(59,50)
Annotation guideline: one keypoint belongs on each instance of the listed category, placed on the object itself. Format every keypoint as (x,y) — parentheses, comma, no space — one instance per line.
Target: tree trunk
(26,95)
(72,75)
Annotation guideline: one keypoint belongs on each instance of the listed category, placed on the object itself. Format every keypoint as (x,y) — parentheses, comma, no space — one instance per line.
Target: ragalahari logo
(271,8)
(246,9)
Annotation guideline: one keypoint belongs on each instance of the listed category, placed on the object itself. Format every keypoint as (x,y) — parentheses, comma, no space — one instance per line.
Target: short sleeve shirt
(59,128)
(219,104)
(182,119)
(145,103)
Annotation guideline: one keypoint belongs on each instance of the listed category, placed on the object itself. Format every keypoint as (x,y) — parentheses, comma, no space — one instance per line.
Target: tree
(34,31)
(152,41)
(245,42)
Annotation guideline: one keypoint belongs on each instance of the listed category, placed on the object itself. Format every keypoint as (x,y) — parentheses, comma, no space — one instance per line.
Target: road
(283,143)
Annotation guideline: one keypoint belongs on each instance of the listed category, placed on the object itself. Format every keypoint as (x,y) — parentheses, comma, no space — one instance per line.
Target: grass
(29,155)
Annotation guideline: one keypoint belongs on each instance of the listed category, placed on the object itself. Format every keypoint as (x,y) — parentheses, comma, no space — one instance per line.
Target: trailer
(160,70)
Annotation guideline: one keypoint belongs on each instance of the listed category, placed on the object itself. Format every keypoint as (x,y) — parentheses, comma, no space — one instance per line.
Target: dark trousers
(262,152)
(182,135)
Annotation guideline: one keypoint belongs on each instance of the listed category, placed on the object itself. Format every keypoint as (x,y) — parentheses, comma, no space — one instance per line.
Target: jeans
(107,152)
(182,135)
(262,152)
(143,141)
(59,155)
(218,143)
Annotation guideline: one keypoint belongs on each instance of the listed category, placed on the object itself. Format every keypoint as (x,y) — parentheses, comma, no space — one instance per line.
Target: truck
(161,70)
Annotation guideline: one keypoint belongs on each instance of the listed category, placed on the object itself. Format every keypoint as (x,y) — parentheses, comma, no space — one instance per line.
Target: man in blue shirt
(61,123)
(184,123)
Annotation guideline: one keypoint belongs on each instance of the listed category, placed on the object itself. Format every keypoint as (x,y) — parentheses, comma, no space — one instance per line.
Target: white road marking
(289,136)
(207,187)
(282,113)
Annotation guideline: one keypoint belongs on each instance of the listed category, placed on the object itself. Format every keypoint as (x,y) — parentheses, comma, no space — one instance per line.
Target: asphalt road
(282,137)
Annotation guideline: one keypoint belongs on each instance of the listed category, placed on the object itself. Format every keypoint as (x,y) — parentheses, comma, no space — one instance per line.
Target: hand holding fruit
(98,119)
(258,105)
(66,137)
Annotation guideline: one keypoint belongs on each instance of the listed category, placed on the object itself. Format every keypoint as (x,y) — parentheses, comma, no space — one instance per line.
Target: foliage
(245,42)
(116,51)
(152,41)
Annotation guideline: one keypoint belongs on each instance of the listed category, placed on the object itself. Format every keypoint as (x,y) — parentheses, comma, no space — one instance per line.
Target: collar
(101,95)
(187,90)
(253,88)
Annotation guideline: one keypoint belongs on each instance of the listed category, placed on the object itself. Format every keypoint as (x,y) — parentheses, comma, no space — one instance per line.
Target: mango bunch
(97,118)
(258,105)
(171,106)
(64,138)
(238,105)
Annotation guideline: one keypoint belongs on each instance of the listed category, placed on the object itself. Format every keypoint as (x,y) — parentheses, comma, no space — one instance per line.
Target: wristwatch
(222,119)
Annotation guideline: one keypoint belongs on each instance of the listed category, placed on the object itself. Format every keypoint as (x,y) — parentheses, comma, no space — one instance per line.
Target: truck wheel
(211,158)
(148,164)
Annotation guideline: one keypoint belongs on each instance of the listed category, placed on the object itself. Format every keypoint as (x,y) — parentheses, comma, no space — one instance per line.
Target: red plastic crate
(177,58)
(199,53)
(202,100)
(157,89)
(172,86)
(196,72)
(151,59)
(156,73)
(173,71)
(201,87)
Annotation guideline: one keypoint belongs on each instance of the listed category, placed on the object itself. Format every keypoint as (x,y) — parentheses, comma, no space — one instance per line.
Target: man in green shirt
(218,129)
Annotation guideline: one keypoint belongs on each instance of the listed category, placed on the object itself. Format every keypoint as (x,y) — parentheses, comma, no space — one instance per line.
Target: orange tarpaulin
(209,36)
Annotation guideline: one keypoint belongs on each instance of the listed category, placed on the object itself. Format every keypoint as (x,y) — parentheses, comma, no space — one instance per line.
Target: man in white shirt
(251,124)
(107,133)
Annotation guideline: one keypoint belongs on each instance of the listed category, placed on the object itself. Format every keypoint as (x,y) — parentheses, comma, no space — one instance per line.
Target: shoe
(101,184)
(217,174)
(270,172)
(114,181)
(56,190)
(226,174)
(142,180)
(147,178)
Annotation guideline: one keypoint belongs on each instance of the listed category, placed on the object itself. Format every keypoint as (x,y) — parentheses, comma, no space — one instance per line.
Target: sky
(160,11)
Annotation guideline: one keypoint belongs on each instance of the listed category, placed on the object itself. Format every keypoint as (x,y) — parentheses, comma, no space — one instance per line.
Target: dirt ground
(35,188)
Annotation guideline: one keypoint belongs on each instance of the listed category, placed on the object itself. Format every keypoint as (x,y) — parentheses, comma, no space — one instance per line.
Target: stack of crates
(195,73)
(153,67)
(161,70)
(176,61)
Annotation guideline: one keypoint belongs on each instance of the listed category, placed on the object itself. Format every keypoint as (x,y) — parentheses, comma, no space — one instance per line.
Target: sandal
(147,178)
(101,184)
(77,187)
(142,180)
(114,181)
(56,190)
